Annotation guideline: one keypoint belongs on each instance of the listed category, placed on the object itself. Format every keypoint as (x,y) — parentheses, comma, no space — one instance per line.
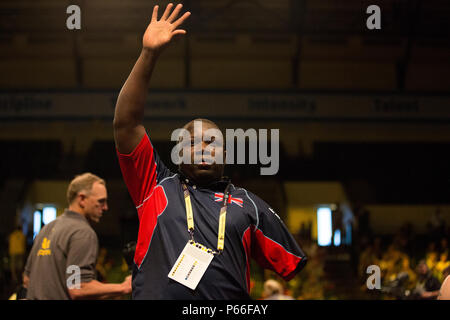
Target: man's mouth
(204,164)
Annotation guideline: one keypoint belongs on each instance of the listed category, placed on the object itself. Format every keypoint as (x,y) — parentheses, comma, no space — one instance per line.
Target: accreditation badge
(191,265)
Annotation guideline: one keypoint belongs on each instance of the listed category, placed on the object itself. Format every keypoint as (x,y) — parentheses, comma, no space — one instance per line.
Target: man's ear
(82,200)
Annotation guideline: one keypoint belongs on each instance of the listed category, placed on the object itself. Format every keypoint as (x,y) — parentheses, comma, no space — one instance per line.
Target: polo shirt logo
(218,197)
(45,251)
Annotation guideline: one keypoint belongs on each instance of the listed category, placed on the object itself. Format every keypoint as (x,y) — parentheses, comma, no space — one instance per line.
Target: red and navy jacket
(253,230)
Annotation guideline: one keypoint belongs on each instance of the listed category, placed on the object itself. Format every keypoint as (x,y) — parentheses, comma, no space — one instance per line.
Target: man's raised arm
(129,113)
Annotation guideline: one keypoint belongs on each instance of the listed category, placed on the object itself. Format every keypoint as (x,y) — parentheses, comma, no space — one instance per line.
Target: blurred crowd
(411,266)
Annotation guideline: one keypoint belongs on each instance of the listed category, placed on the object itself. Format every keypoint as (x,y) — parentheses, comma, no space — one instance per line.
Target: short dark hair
(190,124)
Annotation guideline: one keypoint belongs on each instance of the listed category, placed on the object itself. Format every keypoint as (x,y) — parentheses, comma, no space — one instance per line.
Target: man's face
(94,203)
(422,269)
(207,171)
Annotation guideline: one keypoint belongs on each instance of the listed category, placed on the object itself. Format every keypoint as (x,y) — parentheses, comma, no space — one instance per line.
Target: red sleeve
(139,170)
(272,255)
(273,246)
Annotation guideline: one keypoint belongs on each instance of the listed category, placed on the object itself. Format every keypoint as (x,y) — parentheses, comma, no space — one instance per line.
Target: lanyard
(222,220)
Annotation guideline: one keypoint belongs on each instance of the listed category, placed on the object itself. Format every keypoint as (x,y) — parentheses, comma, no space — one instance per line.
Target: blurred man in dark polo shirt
(61,264)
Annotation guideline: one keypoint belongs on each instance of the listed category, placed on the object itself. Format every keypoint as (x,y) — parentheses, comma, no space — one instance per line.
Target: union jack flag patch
(218,197)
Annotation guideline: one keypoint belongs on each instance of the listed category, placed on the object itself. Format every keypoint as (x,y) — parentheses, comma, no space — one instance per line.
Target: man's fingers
(155,14)
(167,11)
(179,31)
(175,13)
(178,22)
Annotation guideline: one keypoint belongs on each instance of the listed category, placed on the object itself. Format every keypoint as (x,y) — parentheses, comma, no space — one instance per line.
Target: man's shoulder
(46,229)
(171,178)
(242,190)
(251,198)
(248,193)
(73,226)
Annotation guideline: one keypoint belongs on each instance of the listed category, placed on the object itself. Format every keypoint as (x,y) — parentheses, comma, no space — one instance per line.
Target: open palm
(160,32)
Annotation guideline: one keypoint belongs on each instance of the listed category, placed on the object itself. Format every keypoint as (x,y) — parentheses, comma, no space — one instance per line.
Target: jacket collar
(219,185)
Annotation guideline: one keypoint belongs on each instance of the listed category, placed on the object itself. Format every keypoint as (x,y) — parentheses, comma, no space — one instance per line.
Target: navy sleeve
(273,246)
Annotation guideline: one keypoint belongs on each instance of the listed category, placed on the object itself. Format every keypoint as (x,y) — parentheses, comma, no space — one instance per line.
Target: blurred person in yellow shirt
(16,253)
(441,265)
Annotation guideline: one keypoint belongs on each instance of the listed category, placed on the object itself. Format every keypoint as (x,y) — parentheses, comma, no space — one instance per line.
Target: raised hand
(129,113)
(160,32)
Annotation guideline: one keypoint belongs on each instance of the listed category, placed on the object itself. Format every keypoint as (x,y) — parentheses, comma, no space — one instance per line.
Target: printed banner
(274,106)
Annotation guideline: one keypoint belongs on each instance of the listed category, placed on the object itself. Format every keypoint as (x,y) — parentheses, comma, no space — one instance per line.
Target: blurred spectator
(101,265)
(16,254)
(441,265)
(406,269)
(391,263)
(273,290)
(431,255)
(367,257)
(432,260)
(427,286)
(117,268)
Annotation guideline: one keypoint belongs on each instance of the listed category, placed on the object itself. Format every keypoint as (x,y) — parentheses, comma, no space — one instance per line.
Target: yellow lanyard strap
(222,217)
(221,236)
(189,214)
